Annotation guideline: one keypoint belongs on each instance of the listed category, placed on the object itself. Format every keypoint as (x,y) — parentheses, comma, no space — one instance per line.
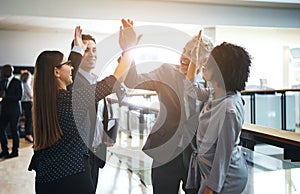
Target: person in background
(60,154)
(27,104)
(169,143)
(222,166)
(11,92)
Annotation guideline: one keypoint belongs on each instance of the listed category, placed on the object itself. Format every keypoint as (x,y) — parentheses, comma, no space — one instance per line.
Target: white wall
(21,48)
(266,46)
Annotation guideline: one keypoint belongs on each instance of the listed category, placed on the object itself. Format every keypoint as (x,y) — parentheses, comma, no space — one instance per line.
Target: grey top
(221,163)
(167,134)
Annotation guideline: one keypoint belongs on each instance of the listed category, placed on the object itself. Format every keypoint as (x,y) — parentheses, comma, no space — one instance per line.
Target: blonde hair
(206,45)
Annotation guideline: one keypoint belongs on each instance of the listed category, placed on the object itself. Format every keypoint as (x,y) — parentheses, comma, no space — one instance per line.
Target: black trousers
(11,118)
(166,178)
(26,106)
(94,169)
(80,183)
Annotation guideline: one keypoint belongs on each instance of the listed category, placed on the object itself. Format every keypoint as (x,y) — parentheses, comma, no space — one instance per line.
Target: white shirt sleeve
(78,49)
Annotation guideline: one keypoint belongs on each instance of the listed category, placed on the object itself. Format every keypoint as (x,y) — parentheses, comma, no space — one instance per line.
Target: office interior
(268,29)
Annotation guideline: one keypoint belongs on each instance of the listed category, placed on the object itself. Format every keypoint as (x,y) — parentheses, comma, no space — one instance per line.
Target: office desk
(289,141)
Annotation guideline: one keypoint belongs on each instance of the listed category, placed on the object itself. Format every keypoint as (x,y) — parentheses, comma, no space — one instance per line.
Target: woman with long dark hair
(60,154)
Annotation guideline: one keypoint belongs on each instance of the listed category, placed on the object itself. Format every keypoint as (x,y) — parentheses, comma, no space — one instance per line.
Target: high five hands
(127,40)
(127,36)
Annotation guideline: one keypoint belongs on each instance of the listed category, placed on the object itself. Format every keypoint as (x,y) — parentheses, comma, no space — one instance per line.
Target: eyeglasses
(69,63)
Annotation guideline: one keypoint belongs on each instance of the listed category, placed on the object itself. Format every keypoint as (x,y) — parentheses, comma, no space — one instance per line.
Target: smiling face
(63,73)
(186,57)
(89,58)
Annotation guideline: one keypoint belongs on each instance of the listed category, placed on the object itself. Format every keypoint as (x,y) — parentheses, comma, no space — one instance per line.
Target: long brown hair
(45,90)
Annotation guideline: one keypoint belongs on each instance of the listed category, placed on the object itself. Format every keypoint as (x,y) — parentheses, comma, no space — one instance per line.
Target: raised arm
(77,50)
(193,66)
(127,40)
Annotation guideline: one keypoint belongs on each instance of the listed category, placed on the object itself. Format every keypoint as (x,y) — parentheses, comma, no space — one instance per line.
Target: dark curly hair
(233,63)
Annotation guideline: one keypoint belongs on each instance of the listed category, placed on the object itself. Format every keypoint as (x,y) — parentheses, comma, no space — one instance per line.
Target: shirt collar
(10,78)
(92,78)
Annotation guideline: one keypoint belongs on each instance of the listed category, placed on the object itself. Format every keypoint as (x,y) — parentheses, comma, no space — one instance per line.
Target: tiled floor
(15,178)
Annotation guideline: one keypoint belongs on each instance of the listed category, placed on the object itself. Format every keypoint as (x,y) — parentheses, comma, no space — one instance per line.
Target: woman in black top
(60,154)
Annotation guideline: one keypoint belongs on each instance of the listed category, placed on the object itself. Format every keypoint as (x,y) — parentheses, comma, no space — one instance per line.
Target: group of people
(196,135)
(194,140)
(16,98)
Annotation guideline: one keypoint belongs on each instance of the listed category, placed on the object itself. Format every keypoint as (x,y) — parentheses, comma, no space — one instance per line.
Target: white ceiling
(37,16)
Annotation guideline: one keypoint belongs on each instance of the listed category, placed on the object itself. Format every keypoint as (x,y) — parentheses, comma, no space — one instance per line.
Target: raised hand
(196,51)
(78,38)
(194,62)
(127,36)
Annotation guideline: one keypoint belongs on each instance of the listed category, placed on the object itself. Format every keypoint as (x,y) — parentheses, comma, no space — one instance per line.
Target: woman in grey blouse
(222,166)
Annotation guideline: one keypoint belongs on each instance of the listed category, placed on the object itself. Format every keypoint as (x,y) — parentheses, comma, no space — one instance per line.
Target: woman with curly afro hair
(222,166)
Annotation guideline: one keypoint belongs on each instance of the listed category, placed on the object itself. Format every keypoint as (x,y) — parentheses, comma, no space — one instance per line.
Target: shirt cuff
(78,49)
(117,87)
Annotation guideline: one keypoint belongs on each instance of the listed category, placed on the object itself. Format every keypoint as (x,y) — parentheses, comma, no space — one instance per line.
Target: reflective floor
(268,173)
(128,170)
